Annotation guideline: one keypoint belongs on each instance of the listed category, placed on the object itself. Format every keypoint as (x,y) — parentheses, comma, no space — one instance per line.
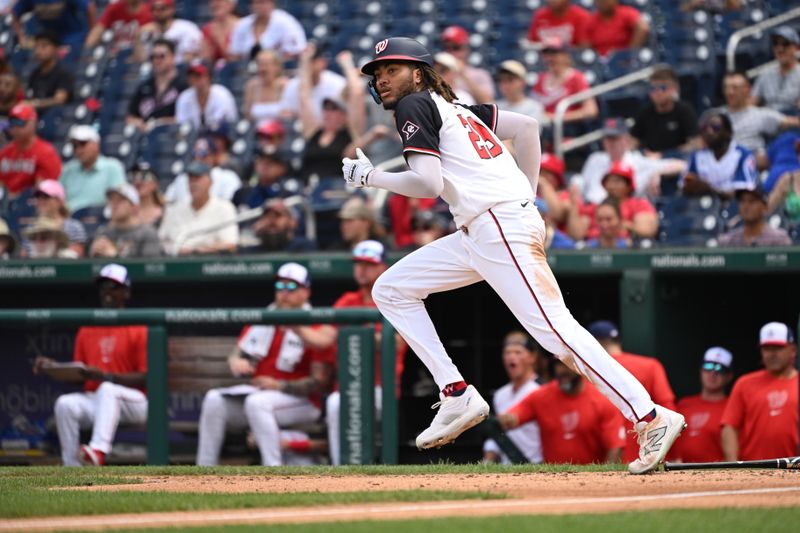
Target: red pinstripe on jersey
(549,324)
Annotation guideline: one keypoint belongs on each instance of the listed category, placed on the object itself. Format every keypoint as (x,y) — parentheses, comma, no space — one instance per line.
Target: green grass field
(41,492)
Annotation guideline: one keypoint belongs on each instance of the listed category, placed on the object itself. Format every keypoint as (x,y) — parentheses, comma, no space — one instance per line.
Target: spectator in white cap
(48,240)
(760,420)
(114,371)
(448,66)
(778,86)
(702,443)
(50,203)
(205,224)
(512,82)
(125,235)
(289,367)
(88,176)
(369,262)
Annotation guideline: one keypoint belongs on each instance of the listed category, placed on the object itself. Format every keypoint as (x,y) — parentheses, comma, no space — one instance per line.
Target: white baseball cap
(718,355)
(116,273)
(369,252)
(126,190)
(776,334)
(84,133)
(294,272)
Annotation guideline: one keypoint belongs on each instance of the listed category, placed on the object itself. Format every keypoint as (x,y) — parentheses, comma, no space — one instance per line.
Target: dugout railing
(356,368)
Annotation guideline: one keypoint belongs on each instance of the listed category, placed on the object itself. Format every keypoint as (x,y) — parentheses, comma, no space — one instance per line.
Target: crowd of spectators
(307,109)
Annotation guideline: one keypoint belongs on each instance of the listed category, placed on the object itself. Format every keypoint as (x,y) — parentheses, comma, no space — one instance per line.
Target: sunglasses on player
(714,367)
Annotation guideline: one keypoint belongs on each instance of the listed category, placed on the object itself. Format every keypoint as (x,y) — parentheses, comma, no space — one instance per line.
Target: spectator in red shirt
(613,27)
(561,80)
(124,17)
(610,231)
(578,424)
(290,367)
(217,32)
(701,442)
(115,359)
(560,19)
(369,262)
(27,159)
(760,420)
(647,370)
(639,217)
(475,81)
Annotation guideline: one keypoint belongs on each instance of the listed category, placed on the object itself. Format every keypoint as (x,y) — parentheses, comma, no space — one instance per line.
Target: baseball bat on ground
(782,463)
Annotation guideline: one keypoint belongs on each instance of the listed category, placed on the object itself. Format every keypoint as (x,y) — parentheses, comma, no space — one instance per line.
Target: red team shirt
(569,28)
(295,361)
(605,35)
(629,208)
(577,429)
(701,441)
(114,349)
(651,374)
(763,409)
(549,96)
(125,24)
(21,169)
(356,299)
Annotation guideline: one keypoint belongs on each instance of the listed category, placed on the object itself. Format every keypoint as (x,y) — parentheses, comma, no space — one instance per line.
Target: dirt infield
(535,493)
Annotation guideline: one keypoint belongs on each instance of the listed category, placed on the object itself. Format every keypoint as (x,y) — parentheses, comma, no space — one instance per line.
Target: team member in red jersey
(760,420)
(27,159)
(369,262)
(290,369)
(647,370)
(116,361)
(560,19)
(612,27)
(701,443)
(578,424)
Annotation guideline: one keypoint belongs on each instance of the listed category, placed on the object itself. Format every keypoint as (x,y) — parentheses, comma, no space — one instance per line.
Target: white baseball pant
(332,410)
(505,247)
(265,412)
(102,410)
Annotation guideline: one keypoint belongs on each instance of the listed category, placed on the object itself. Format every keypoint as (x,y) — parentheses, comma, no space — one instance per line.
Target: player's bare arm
(524,134)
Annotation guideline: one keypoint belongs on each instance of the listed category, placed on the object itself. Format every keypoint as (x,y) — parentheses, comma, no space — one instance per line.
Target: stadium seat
(689,221)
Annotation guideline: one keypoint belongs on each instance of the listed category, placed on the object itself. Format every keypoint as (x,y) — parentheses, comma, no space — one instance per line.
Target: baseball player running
(455,151)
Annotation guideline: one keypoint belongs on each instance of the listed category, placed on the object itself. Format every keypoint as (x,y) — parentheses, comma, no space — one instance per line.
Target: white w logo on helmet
(381,46)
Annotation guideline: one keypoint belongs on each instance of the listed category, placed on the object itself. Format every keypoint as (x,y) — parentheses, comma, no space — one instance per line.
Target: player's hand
(40,362)
(240,367)
(508,421)
(357,171)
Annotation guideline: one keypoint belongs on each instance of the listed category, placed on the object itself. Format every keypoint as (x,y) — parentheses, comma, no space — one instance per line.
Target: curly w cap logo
(381,46)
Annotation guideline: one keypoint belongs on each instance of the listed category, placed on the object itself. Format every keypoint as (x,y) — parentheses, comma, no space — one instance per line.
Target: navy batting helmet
(398,49)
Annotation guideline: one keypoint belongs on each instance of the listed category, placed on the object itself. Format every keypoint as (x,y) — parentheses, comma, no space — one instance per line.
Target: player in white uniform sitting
(455,151)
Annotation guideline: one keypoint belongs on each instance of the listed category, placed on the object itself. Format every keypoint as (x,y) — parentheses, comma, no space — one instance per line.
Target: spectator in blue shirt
(723,164)
(69,19)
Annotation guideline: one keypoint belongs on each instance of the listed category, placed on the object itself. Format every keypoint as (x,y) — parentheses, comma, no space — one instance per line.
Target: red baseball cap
(621,169)
(554,165)
(197,66)
(271,127)
(23,112)
(455,34)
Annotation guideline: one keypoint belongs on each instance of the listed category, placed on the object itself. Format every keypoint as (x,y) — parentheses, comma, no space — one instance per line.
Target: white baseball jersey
(527,436)
(478,170)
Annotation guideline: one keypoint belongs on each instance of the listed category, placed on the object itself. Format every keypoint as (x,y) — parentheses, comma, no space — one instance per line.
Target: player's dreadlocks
(432,80)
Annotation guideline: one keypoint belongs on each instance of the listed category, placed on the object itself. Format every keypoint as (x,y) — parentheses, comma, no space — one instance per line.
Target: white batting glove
(357,171)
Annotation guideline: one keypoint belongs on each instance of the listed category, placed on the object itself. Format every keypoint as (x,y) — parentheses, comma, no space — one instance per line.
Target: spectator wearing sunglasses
(778,86)
(27,159)
(153,103)
(666,126)
(51,84)
(289,368)
(88,176)
(722,164)
(473,80)
(703,412)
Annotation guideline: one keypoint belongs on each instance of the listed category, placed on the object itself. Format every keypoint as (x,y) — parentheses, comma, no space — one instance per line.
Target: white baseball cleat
(456,415)
(655,439)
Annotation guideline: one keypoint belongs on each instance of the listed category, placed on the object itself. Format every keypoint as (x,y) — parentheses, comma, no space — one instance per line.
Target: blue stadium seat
(689,221)
(91,218)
